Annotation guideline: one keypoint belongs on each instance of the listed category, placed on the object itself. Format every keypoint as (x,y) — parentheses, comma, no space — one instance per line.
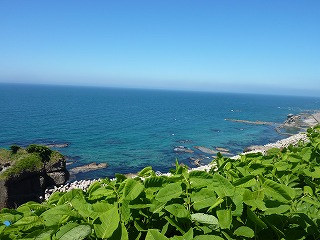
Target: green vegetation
(21,160)
(275,196)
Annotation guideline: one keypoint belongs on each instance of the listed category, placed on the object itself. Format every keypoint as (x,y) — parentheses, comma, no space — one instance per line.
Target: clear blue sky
(268,46)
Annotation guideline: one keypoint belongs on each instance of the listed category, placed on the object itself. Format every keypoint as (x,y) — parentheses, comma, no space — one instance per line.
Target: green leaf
(238,201)
(254,199)
(225,218)
(216,203)
(55,215)
(68,196)
(73,231)
(109,223)
(41,234)
(205,219)
(222,186)
(176,224)
(277,210)
(154,182)
(154,234)
(27,223)
(204,198)
(172,190)
(282,166)
(311,201)
(146,172)
(278,191)
(101,192)
(247,181)
(244,231)
(177,210)
(132,189)
(307,190)
(314,174)
(121,233)
(208,237)
(187,236)
(200,179)
(156,206)
(255,219)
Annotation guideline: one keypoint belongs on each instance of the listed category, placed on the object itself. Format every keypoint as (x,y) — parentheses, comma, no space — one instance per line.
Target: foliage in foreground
(275,196)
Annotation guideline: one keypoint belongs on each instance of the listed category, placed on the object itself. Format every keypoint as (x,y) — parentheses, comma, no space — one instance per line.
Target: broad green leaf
(311,201)
(109,223)
(27,223)
(68,196)
(187,236)
(120,233)
(307,190)
(306,154)
(154,182)
(45,234)
(222,186)
(225,218)
(65,209)
(282,166)
(314,174)
(132,189)
(146,172)
(244,231)
(125,211)
(157,206)
(278,191)
(9,217)
(172,190)
(205,219)
(254,199)
(73,231)
(277,210)
(238,201)
(204,198)
(82,207)
(177,210)
(154,234)
(216,203)
(200,179)
(176,224)
(208,237)
(247,181)
(102,206)
(255,219)
(101,192)
(55,197)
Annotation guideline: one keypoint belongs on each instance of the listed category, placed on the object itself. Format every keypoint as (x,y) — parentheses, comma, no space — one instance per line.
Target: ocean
(130,129)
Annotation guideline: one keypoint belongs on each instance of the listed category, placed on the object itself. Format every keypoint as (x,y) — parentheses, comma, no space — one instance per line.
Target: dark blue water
(131,129)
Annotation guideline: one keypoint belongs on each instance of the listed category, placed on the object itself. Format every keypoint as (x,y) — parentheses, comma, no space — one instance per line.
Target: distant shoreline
(295,139)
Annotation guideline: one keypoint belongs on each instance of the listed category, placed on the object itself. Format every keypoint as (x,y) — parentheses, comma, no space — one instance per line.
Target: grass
(23,161)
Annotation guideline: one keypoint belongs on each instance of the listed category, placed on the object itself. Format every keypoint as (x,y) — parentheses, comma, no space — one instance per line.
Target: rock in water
(89,167)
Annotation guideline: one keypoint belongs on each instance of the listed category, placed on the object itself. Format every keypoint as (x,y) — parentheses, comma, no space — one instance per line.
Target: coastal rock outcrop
(88,167)
(29,184)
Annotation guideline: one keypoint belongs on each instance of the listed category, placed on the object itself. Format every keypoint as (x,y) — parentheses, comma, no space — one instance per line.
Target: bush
(28,163)
(14,149)
(43,151)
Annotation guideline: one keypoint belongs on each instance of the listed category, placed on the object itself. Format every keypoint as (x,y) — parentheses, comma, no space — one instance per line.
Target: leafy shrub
(28,163)
(275,196)
(43,151)
(14,149)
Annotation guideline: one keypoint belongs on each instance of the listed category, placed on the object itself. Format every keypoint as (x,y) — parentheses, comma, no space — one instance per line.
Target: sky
(206,45)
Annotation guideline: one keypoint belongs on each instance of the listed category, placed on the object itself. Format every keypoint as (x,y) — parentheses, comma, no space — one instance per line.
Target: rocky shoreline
(301,122)
(292,140)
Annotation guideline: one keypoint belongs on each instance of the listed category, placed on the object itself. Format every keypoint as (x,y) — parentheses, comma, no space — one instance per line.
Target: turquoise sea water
(131,129)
